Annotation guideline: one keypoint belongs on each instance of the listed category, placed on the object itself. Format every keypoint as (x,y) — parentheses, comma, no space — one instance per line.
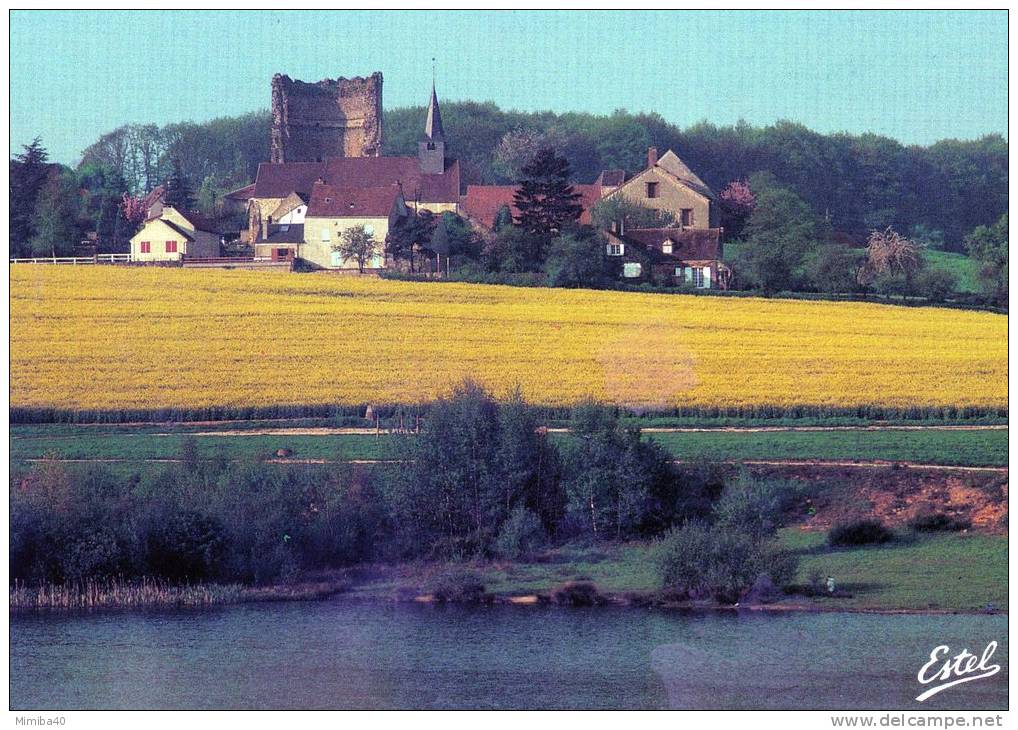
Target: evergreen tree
(28,173)
(545,200)
(503,218)
(178,190)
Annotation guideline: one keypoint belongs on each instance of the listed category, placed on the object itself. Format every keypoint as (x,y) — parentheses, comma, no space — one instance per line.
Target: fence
(102,258)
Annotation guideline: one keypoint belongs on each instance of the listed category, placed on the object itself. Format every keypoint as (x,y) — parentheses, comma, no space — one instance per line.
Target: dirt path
(750,462)
(357,431)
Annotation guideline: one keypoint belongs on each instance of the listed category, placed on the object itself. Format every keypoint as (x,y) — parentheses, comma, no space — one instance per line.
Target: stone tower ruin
(331,118)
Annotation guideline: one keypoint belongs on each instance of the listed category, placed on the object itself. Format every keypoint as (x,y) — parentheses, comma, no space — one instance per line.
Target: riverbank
(940,573)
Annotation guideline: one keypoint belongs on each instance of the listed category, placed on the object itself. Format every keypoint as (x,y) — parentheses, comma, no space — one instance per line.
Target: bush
(755,506)
(859,532)
(939,522)
(458,586)
(698,561)
(936,284)
(521,535)
(581,593)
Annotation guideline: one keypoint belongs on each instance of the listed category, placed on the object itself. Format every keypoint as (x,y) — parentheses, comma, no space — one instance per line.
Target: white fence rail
(102,258)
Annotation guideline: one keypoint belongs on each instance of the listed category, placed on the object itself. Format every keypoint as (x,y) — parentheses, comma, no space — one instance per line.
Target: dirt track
(357,431)
(820,464)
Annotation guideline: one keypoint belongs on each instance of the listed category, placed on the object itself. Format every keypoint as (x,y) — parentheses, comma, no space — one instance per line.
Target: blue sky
(916,76)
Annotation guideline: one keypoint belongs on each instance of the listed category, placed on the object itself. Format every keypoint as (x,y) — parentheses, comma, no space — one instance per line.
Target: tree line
(857,182)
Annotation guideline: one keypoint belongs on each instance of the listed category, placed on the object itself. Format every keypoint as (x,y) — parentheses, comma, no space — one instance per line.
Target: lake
(345,654)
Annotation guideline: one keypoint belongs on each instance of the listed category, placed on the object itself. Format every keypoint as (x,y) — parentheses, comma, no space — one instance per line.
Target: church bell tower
(431,148)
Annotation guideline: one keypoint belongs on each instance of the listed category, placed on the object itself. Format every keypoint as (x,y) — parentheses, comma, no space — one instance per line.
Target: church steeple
(433,127)
(431,148)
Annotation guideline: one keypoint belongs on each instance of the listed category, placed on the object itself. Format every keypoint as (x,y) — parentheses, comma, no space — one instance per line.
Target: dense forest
(857,182)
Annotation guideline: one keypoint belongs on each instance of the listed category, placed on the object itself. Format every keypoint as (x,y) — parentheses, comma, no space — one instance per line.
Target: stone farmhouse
(689,253)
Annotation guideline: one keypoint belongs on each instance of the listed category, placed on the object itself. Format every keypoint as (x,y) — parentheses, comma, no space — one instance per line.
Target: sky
(917,76)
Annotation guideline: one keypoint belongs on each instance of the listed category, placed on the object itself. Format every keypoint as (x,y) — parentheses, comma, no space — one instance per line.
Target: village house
(331,211)
(670,256)
(667,184)
(170,234)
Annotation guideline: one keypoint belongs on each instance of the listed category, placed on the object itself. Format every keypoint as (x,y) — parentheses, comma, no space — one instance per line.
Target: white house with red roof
(172,235)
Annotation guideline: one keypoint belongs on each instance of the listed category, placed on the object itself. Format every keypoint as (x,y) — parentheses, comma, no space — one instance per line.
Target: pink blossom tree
(133,209)
(737,203)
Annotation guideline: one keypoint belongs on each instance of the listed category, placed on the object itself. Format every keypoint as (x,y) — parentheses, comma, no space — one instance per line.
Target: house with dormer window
(688,257)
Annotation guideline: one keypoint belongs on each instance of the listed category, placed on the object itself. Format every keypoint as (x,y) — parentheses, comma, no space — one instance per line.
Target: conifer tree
(178,190)
(545,199)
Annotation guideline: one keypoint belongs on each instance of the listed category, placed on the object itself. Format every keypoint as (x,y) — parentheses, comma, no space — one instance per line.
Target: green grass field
(943,571)
(948,571)
(966,269)
(957,448)
(969,448)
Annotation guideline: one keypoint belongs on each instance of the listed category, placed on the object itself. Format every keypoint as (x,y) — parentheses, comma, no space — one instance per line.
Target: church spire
(431,147)
(433,127)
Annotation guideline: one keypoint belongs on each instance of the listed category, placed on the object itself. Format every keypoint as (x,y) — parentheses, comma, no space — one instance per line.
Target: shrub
(936,284)
(520,535)
(458,586)
(939,522)
(859,532)
(755,506)
(579,593)
(698,561)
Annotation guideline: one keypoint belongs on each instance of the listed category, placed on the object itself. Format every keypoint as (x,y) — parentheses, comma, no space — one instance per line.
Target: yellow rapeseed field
(117,337)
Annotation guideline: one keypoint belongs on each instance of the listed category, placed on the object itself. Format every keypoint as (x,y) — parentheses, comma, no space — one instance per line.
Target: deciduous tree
(358,245)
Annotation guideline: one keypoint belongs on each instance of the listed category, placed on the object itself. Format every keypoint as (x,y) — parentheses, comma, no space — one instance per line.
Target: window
(146,247)
(171,247)
(686,218)
(631,270)
(369,229)
(652,190)
(616,249)
(283,228)
(667,246)
(680,272)
(700,277)
(325,234)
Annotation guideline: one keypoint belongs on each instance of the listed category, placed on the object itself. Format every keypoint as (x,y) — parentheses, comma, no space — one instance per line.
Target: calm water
(345,655)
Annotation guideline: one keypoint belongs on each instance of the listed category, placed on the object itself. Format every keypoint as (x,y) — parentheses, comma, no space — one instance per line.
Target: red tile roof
(277,180)
(482,202)
(359,202)
(689,244)
(200,222)
(241,193)
(611,178)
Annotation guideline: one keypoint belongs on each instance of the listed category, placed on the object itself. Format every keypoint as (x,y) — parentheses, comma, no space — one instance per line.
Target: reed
(117,593)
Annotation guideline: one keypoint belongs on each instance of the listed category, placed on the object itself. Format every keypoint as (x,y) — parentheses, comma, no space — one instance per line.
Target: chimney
(651,157)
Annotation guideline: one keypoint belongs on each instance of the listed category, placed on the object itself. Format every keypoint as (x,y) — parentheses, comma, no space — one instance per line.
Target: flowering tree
(132,208)
(738,196)
(892,261)
(737,203)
